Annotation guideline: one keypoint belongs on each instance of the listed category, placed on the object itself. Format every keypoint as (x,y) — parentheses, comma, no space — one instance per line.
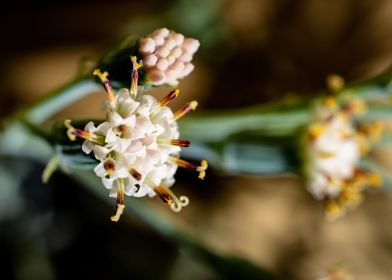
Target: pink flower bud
(162,52)
(147,46)
(191,45)
(162,64)
(150,60)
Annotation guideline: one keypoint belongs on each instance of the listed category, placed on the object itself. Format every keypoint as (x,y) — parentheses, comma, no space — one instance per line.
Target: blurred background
(252,51)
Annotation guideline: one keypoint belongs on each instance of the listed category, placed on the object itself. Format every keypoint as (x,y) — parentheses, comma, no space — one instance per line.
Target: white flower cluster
(334,147)
(137,146)
(167,56)
(332,156)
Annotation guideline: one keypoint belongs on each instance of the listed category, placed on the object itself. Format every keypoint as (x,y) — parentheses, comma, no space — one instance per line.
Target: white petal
(100,152)
(87,146)
(99,170)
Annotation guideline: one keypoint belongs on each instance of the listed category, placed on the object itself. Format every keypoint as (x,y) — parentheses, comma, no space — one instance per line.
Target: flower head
(167,56)
(334,147)
(138,145)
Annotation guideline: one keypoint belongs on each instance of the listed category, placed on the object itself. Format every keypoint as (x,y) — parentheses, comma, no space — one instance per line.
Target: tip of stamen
(202,169)
(176,92)
(173,94)
(135,64)
(182,202)
(70,130)
(374,180)
(335,83)
(102,76)
(193,104)
(119,212)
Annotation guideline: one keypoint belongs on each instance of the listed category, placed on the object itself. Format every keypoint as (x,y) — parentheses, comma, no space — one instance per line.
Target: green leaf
(227,267)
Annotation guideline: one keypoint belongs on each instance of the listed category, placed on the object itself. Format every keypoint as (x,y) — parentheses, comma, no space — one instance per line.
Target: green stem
(217,126)
(60,98)
(227,267)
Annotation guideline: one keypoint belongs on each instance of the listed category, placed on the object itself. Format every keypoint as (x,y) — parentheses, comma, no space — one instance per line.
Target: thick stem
(60,98)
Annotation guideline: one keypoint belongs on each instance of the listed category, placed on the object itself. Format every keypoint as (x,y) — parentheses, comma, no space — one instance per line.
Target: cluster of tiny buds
(167,56)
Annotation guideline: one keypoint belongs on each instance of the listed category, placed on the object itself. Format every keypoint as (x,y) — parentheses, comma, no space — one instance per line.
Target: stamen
(333,210)
(174,142)
(372,130)
(70,130)
(191,106)
(180,143)
(120,201)
(109,91)
(330,102)
(355,106)
(316,130)
(191,166)
(72,133)
(374,179)
(134,76)
(135,174)
(170,198)
(335,83)
(163,194)
(173,94)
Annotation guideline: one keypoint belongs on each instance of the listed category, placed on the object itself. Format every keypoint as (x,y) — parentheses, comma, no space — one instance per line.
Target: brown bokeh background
(252,51)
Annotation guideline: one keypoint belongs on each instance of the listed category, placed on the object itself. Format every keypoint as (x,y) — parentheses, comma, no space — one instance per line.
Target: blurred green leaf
(227,267)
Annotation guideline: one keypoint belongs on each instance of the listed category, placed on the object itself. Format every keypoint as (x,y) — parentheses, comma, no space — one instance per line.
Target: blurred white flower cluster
(167,56)
(334,146)
(138,145)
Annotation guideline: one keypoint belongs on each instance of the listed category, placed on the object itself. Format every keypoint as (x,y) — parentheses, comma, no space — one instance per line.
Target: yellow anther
(119,212)
(335,83)
(350,197)
(102,76)
(375,130)
(357,106)
(193,104)
(374,179)
(315,130)
(333,210)
(202,169)
(135,64)
(70,130)
(330,102)
(120,201)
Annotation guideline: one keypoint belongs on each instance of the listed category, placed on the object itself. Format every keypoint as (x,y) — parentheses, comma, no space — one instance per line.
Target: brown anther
(180,143)
(135,174)
(191,166)
(163,195)
(172,95)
